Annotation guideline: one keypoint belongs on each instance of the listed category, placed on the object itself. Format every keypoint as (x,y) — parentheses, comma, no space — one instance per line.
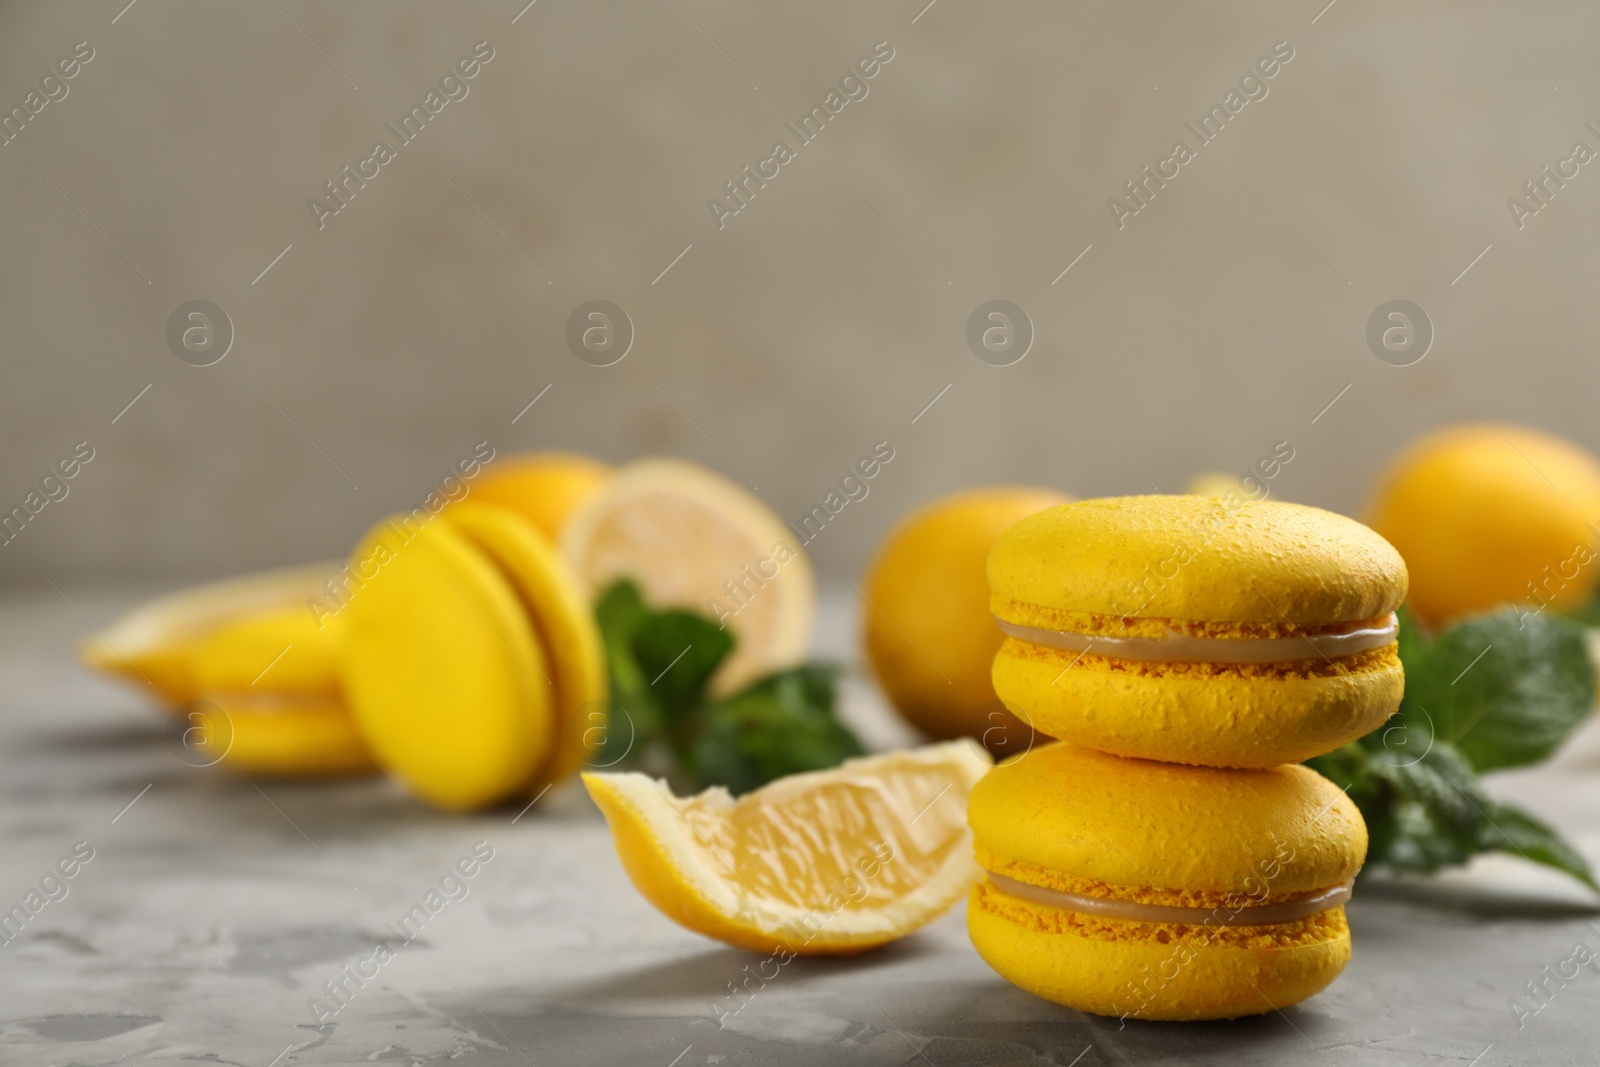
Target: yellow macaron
(443,668)
(1198,630)
(562,623)
(1159,891)
(275,737)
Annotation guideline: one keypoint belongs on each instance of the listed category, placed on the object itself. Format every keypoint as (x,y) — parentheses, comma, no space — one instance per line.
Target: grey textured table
(214,909)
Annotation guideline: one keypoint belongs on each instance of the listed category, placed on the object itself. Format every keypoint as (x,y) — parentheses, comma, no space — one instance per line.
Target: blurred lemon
(542,487)
(834,861)
(927,628)
(1487,515)
(692,539)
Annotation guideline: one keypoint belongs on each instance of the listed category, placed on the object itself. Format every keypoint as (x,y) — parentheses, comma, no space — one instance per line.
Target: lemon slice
(690,538)
(826,862)
(223,634)
(561,620)
(442,668)
(542,487)
(268,737)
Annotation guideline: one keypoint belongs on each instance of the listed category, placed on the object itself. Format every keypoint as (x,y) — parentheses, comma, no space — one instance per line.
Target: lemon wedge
(828,862)
(692,539)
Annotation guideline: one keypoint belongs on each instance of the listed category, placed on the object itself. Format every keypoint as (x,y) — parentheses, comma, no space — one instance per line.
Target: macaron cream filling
(1286,911)
(1176,647)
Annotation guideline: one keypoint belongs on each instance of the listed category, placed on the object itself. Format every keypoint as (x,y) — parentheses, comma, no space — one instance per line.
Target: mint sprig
(1489,693)
(664,721)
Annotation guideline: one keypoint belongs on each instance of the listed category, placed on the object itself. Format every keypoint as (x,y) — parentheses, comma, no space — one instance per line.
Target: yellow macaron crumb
(1329,925)
(1046,878)
(1377,659)
(1022,613)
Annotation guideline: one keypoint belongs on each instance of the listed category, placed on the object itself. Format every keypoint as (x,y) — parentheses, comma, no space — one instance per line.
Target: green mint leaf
(1348,767)
(659,663)
(677,652)
(1442,788)
(634,723)
(619,608)
(618,613)
(1412,844)
(1505,688)
(1425,814)
(1467,710)
(1413,640)
(1431,811)
(783,724)
(1509,829)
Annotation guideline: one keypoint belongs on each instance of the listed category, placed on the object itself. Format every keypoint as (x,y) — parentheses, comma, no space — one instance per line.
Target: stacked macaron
(1167,859)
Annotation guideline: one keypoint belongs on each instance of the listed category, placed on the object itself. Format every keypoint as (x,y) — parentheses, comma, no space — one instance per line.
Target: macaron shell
(1240,718)
(298,738)
(1198,558)
(1146,978)
(1093,816)
(286,651)
(563,623)
(442,669)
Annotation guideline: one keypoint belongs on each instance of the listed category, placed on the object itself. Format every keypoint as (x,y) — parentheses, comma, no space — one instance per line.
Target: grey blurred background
(372,353)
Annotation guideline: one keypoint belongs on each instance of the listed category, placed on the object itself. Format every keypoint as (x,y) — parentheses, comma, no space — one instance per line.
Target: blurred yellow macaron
(1193,630)
(1156,891)
(271,737)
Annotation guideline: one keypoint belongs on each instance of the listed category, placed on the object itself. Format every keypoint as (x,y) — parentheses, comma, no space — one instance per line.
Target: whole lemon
(927,630)
(1487,515)
(542,487)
